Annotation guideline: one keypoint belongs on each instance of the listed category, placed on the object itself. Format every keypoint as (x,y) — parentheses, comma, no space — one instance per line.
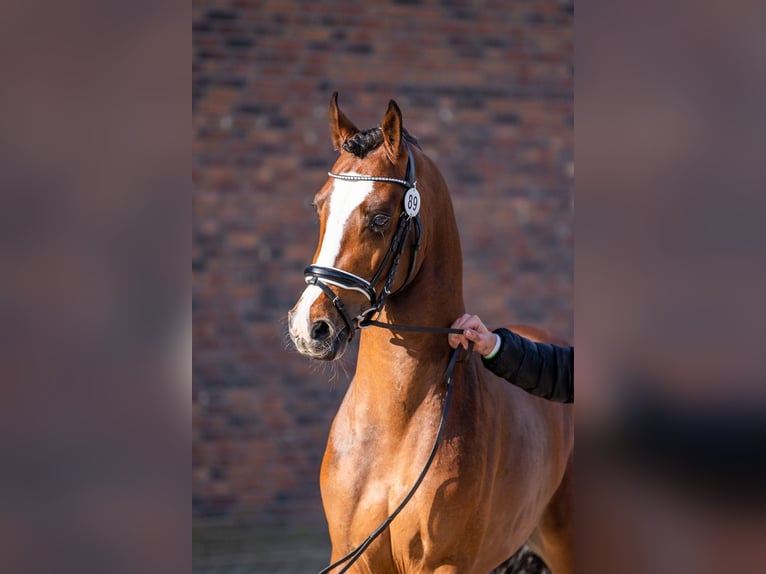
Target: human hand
(475,332)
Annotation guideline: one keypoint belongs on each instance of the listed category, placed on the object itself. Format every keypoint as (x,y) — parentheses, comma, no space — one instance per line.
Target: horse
(389,254)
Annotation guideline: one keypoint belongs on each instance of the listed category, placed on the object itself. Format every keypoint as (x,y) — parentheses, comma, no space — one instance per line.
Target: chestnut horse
(501,474)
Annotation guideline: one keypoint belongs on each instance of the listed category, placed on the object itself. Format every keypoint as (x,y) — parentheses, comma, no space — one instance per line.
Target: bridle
(322,276)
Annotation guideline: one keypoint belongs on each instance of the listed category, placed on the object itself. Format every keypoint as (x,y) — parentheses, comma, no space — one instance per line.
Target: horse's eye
(379,222)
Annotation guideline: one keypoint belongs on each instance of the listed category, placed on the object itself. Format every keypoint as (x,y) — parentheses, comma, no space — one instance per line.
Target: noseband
(322,276)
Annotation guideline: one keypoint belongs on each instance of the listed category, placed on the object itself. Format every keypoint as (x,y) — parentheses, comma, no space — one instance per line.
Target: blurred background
(486,87)
(671,396)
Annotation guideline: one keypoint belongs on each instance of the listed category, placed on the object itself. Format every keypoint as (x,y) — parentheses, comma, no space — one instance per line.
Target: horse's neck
(396,373)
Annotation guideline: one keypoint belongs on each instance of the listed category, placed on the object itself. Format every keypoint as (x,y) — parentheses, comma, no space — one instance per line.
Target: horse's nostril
(320,330)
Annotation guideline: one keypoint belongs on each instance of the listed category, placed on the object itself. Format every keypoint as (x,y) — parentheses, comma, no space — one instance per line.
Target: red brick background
(486,87)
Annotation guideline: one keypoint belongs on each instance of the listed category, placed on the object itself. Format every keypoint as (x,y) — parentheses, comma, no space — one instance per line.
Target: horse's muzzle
(324,342)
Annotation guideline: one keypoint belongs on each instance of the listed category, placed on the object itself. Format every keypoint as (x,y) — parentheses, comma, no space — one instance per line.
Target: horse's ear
(392,130)
(341,128)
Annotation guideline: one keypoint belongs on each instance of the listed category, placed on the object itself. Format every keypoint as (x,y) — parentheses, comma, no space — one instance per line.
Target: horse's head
(368,218)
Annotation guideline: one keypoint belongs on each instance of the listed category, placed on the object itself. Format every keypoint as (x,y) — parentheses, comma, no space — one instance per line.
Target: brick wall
(487,89)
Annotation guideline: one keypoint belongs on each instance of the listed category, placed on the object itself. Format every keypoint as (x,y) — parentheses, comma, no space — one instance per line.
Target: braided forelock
(365,141)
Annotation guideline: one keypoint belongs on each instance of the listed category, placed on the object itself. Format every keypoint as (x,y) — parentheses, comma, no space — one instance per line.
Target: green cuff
(494,351)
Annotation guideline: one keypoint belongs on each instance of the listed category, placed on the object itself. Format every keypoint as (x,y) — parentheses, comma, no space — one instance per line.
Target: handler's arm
(541,369)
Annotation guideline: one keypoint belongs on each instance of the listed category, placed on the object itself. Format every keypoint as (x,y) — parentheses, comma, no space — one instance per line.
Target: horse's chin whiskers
(334,372)
(337,371)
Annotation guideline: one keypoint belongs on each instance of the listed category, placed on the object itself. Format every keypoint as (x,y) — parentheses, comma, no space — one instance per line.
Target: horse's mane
(365,141)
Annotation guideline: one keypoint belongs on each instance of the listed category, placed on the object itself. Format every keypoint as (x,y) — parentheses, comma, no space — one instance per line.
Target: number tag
(412,202)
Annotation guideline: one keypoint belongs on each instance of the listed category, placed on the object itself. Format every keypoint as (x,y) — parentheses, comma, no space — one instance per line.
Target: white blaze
(345,198)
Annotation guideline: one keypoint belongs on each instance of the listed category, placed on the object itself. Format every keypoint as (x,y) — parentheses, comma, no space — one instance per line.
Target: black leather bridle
(322,276)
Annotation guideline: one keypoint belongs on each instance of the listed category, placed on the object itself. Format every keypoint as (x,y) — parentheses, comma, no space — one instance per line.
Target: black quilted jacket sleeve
(542,369)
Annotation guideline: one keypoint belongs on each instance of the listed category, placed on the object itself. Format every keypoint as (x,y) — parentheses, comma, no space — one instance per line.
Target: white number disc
(412,202)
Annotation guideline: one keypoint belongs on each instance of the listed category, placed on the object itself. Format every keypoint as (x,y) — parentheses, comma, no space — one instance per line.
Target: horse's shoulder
(536,334)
